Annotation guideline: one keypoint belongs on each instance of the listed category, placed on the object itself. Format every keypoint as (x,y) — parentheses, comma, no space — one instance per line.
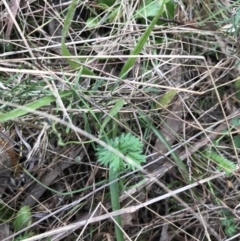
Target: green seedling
(131,147)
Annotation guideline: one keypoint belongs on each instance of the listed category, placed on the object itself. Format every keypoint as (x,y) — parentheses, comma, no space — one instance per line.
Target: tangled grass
(168,73)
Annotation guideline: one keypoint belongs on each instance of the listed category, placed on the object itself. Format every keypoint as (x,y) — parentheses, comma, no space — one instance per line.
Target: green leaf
(65,52)
(11,115)
(68,19)
(109,3)
(136,51)
(116,108)
(235,122)
(114,192)
(148,9)
(129,145)
(115,13)
(66,26)
(222,163)
(169,10)
(23,219)
(166,99)
(75,65)
(230,230)
(92,22)
(103,6)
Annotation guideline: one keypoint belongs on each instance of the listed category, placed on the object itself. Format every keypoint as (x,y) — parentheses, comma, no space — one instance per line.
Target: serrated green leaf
(23,219)
(222,163)
(125,143)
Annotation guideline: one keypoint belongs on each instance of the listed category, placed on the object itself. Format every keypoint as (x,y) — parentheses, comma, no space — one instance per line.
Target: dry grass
(55,139)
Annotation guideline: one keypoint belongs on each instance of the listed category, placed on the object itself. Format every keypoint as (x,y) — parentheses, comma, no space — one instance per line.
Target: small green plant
(131,147)
(229,224)
(210,152)
(222,163)
(22,220)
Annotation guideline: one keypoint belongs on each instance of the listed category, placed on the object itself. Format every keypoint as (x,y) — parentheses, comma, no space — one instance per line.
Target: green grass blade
(68,19)
(166,99)
(13,114)
(130,62)
(114,191)
(116,108)
(175,157)
(65,52)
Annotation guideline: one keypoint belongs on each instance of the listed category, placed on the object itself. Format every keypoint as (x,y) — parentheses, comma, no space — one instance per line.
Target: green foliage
(229,224)
(222,162)
(22,237)
(129,145)
(23,218)
(235,122)
(11,115)
(116,12)
(92,22)
(108,3)
(166,99)
(112,10)
(137,49)
(150,8)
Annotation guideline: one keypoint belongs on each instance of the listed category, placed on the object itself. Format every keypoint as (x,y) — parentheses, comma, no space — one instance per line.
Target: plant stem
(114,191)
